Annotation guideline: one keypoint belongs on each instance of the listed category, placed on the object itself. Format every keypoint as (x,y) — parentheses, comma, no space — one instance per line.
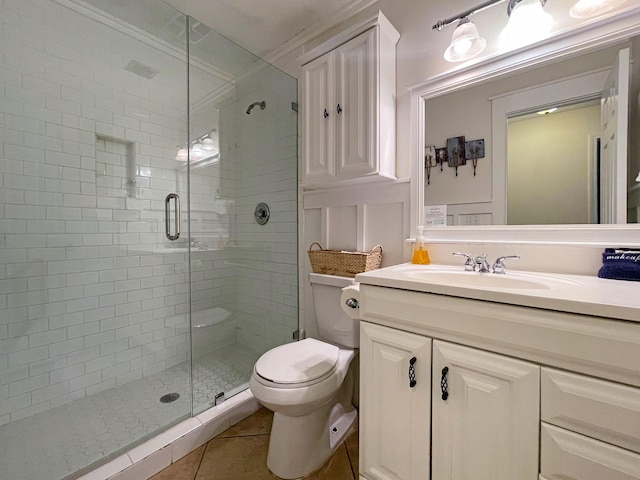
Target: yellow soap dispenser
(420,255)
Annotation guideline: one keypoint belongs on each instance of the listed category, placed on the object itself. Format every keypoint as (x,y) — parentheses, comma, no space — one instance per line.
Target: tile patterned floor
(240,453)
(59,442)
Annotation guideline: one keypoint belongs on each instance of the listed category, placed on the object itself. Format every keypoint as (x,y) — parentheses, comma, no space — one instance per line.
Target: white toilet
(309,386)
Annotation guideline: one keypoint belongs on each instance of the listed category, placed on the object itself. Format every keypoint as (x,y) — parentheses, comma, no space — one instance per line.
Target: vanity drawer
(603,410)
(568,456)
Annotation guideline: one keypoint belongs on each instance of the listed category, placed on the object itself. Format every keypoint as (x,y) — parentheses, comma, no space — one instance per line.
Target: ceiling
(261,26)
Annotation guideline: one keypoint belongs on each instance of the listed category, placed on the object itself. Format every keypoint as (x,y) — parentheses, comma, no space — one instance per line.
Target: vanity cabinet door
(394,415)
(485,410)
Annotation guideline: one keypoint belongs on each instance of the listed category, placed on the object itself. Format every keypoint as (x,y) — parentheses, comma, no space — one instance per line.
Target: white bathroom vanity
(521,376)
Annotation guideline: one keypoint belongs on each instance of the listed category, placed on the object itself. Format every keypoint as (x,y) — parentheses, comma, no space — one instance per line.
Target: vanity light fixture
(547,111)
(592,8)
(528,22)
(466,42)
(201,149)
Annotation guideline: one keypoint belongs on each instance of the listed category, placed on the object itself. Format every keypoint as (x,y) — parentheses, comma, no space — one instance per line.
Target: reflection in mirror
(553,165)
(548,175)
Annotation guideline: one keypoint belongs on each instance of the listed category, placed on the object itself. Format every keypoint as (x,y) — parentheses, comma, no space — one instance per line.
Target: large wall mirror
(561,161)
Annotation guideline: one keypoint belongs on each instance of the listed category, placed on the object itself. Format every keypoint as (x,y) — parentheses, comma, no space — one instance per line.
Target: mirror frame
(583,39)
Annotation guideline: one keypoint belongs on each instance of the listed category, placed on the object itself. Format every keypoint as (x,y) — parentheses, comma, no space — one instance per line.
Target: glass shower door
(94,298)
(244,280)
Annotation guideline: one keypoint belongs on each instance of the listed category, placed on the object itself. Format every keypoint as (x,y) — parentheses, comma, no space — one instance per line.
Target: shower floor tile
(57,443)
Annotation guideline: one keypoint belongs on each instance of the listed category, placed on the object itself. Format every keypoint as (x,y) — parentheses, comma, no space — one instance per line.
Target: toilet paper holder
(352,303)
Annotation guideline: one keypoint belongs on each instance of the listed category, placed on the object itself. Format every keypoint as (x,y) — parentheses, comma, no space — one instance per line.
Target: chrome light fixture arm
(440,24)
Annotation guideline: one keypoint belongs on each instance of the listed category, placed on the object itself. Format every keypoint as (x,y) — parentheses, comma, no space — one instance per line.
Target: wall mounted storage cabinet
(348,109)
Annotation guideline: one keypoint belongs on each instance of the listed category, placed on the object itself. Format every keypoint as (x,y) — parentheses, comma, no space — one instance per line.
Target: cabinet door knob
(339,109)
(412,372)
(443,383)
(325,114)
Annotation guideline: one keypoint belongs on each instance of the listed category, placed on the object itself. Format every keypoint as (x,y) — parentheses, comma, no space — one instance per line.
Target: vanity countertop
(617,299)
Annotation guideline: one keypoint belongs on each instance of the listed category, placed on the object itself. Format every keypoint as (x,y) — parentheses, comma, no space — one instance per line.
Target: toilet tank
(333,324)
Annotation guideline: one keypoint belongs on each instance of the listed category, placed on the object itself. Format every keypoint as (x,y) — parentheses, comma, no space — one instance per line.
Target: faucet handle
(498,265)
(469,264)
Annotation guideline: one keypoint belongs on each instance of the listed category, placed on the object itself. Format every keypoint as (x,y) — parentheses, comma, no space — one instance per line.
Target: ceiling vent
(141,69)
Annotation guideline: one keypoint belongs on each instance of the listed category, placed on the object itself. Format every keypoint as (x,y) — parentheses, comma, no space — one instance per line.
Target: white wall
(549,167)
(266,260)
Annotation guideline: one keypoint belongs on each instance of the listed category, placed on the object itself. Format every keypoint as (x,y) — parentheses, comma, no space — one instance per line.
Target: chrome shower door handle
(167,216)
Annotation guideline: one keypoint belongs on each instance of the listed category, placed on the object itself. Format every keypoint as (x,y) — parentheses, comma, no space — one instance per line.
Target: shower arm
(261,104)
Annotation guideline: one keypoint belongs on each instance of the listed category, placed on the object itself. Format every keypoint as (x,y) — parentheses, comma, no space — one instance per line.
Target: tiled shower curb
(147,459)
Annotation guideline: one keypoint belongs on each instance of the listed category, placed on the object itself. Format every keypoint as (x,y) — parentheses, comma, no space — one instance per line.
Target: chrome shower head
(261,104)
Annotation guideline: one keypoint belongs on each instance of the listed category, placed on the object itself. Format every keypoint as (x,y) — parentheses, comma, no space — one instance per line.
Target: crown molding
(309,33)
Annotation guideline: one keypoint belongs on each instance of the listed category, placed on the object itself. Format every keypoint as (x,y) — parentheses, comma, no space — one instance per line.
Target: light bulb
(462,46)
(209,145)
(466,42)
(196,152)
(528,22)
(183,155)
(592,8)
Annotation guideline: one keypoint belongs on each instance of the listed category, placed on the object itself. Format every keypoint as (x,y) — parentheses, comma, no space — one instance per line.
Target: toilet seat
(297,364)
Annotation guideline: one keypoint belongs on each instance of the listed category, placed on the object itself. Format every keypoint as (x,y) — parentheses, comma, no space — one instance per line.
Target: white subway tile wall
(88,302)
(91,297)
(267,276)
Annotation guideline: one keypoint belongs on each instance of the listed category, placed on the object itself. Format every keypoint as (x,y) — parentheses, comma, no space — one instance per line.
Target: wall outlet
(472,220)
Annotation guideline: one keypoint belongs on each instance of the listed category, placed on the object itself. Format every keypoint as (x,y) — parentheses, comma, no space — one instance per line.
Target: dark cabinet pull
(339,109)
(412,372)
(325,114)
(444,386)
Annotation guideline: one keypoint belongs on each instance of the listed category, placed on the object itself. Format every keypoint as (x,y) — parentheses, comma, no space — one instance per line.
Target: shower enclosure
(148,226)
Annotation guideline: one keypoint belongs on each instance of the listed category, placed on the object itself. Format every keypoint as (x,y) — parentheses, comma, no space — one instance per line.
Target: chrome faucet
(482,264)
(469,264)
(498,265)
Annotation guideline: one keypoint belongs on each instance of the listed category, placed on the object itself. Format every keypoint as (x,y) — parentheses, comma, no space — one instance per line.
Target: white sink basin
(480,280)
(585,294)
(514,281)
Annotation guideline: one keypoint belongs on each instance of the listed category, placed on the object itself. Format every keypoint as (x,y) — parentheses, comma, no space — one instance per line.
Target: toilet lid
(298,362)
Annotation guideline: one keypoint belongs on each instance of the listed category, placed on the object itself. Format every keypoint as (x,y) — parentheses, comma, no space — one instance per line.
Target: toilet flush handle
(352,303)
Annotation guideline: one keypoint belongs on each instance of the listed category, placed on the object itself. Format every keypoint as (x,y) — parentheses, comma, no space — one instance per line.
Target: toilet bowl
(309,385)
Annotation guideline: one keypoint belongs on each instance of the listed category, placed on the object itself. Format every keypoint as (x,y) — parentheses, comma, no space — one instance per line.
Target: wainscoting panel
(353,218)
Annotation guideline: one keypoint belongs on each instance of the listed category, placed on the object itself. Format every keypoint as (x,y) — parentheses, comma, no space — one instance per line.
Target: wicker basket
(344,264)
